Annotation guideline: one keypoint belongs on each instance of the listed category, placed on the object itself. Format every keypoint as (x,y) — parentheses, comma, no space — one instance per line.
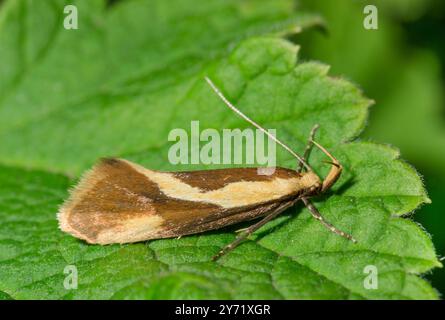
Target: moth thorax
(310,182)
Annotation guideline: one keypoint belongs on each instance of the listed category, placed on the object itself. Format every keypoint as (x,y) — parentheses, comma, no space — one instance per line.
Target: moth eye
(315,188)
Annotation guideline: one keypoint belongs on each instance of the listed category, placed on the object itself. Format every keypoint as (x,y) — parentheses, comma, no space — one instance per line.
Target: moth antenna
(242,115)
(326,152)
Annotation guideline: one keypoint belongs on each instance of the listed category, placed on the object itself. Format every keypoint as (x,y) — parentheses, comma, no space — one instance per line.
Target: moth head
(315,184)
(334,173)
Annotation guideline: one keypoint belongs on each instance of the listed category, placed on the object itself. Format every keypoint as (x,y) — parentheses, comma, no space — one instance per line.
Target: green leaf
(4,296)
(130,114)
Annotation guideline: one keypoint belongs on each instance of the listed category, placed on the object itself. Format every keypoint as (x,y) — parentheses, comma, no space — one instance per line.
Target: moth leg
(317,215)
(248,231)
(309,145)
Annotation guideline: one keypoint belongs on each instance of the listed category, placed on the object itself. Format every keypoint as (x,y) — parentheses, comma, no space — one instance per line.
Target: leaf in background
(292,257)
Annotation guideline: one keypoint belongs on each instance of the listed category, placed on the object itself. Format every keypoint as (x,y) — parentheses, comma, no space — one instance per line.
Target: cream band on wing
(232,195)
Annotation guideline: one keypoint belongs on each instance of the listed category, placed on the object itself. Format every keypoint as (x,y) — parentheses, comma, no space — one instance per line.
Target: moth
(118,201)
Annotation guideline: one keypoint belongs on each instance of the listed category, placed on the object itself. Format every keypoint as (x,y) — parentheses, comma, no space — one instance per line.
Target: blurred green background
(401,65)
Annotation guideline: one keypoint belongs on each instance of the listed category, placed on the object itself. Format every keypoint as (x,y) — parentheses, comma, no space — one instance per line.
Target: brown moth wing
(118,201)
